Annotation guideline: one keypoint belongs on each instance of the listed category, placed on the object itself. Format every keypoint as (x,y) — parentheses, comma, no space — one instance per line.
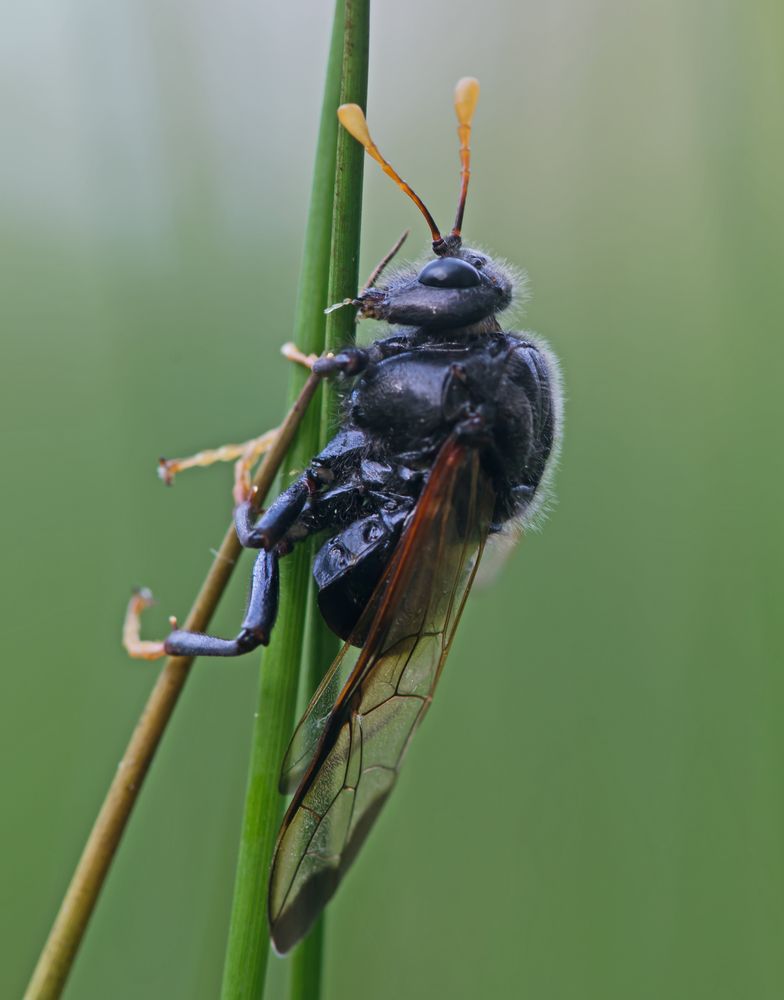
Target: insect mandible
(448,434)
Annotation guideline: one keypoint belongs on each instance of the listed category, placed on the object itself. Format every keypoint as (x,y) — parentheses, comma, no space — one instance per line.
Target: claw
(142,597)
(167,470)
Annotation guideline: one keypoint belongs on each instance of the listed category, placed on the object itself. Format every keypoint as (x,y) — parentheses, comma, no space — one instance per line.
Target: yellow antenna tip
(466,96)
(352,118)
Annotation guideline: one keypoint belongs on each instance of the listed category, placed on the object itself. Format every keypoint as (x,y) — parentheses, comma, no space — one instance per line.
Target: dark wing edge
(362,741)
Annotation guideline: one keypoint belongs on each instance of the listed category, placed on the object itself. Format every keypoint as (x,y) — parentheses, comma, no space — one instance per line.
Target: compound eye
(449,272)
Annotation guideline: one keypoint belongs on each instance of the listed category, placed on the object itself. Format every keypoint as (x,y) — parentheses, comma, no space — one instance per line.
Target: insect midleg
(248,452)
(245,454)
(273,524)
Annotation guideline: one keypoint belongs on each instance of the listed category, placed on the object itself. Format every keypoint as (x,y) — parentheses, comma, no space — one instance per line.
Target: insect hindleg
(256,626)
(135,646)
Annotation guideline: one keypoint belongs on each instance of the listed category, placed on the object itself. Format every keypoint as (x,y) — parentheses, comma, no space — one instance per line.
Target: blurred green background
(594,807)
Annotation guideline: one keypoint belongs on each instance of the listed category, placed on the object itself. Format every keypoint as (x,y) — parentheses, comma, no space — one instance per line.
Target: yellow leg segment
(168,468)
(138,648)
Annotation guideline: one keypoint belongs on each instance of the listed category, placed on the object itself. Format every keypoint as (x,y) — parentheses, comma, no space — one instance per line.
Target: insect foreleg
(349,361)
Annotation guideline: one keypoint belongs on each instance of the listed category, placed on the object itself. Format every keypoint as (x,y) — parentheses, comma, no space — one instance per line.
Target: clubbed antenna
(353,121)
(466,96)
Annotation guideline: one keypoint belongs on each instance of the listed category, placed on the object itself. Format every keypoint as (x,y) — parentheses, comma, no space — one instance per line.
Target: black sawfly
(449,431)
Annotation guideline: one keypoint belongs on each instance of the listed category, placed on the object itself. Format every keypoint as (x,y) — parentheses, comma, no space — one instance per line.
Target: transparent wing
(308,733)
(352,740)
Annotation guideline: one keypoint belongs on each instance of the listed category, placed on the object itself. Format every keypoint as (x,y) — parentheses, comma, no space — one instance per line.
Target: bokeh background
(594,808)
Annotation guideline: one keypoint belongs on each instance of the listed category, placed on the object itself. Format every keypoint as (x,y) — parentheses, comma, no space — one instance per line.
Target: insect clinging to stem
(448,434)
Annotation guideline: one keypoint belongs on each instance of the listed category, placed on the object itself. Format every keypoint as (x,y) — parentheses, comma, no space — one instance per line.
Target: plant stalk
(307,959)
(57,957)
(292,650)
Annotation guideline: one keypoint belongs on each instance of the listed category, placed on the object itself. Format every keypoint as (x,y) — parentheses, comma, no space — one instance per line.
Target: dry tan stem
(66,935)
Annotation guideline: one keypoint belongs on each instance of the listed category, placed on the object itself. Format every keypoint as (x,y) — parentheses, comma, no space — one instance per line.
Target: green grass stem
(340,330)
(329,271)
